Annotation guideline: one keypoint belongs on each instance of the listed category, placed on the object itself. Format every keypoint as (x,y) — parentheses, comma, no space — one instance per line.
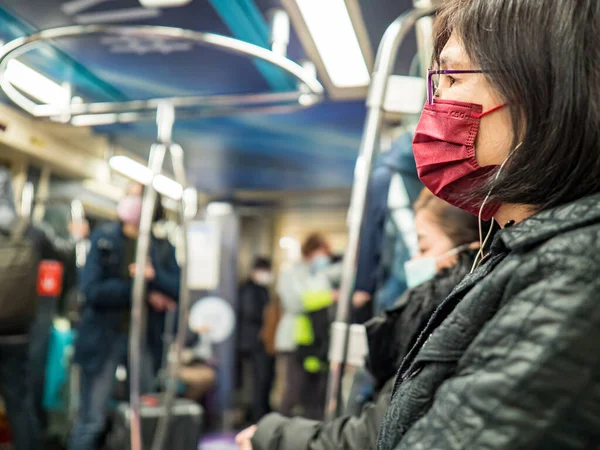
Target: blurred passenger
(293,283)
(197,372)
(106,283)
(511,132)
(253,298)
(312,335)
(23,246)
(48,308)
(447,247)
(386,237)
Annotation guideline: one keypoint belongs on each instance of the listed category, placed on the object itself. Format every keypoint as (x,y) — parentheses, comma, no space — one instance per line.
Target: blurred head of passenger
(513,110)
(129,209)
(261,272)
(316,252)
(443,232)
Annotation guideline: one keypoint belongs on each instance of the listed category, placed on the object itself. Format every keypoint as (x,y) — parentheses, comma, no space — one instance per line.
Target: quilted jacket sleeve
(533,367)
(276,432)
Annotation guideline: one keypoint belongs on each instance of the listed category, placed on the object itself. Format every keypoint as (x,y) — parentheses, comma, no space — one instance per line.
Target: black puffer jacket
(390,336)
(253,299)
(511,359)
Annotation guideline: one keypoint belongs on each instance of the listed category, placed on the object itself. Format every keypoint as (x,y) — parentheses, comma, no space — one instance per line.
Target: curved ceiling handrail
(311,92)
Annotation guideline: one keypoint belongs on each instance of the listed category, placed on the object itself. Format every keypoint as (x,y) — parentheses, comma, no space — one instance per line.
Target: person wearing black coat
(106,283)
(18,382)
(445,234)
(253,298)
(511,359)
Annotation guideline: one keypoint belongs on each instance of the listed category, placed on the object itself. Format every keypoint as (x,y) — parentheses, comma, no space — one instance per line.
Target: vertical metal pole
(78,217)
(174,358)
(137,337)
(26,203)
(384,65)
(19,178)
(39,208)
(280,31)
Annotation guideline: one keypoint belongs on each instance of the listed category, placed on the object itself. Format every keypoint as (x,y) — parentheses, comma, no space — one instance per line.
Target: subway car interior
(277,224)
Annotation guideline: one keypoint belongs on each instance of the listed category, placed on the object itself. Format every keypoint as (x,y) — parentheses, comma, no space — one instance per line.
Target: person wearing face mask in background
(106,283)
(447,239)
(293,283)
(253,298)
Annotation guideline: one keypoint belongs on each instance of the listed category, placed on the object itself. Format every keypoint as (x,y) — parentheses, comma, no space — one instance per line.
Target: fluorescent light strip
(91,120)
(34,84)
(118,16)
(163,3)
(131,169)
(76,6)
(168,187)
(143,175)
(331,29)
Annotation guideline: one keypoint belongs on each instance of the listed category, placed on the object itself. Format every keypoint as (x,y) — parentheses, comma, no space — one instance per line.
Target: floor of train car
(211,440)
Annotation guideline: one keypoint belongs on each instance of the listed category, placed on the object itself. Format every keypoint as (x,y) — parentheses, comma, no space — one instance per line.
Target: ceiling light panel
(334,36)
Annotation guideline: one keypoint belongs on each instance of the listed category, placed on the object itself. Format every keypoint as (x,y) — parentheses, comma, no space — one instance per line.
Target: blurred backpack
(271,317)
(18,277)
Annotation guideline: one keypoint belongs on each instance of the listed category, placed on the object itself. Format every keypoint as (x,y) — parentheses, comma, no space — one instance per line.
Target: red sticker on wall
(50,277)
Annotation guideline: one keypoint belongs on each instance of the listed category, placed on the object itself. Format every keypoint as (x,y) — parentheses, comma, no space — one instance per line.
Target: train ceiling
(312,149)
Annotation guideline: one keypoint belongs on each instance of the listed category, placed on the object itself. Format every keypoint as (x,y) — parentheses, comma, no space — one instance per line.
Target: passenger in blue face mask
(443,232)
(304,284)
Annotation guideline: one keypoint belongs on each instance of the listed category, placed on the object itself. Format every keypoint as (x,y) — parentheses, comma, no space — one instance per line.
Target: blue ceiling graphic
(310,149)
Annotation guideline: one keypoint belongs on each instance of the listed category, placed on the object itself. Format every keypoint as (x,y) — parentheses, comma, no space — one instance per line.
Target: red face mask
(445,155)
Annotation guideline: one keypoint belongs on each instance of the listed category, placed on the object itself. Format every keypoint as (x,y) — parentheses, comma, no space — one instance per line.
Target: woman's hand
(447,262)
(79,229)
(160,302)
(335,295)
(202,329)
(149,272)
(244,439)
(360,299)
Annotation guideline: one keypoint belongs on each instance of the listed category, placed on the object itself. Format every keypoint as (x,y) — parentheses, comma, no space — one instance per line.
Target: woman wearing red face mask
(106,282)
(511,132)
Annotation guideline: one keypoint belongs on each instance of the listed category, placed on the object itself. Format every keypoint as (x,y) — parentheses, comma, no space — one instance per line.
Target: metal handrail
(18,46)
(165,118)
(174,361)
(384,66)
(138,308)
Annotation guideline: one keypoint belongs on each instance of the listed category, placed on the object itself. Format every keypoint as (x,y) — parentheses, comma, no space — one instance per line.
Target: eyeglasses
(433,80)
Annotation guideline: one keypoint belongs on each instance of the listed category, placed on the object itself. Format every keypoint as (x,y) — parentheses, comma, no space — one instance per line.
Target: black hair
(262,263)
(314,242)
(460,226)
(543,59)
